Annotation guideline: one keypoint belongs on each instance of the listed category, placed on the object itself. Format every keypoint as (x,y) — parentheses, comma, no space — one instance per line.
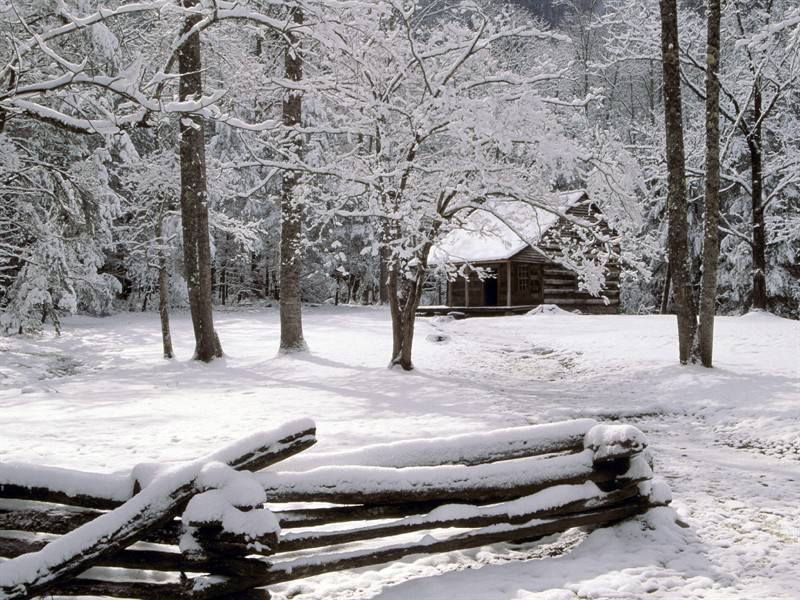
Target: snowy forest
(162,154)
(570,228)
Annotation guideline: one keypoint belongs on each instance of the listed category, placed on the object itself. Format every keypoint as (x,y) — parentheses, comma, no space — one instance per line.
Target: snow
(239,488)
(357,481)
(723,440)
(230,491)
(214,507)
(499,235)
(608,441)
(549,309)
(466,448)
(69,481)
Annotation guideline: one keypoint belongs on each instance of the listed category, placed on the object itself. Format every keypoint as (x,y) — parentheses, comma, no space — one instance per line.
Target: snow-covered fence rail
(217,539)
(60,564)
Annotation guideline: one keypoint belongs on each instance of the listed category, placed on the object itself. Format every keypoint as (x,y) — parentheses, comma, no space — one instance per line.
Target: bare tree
(194,197)
(163,289)
(291,215)
(678,234)
(708,298)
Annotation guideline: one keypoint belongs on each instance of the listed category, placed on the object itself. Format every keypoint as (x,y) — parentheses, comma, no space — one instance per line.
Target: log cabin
(522,261)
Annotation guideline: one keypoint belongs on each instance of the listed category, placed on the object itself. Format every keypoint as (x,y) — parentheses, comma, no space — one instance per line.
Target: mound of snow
(548,309)
(437,338)
(442,319)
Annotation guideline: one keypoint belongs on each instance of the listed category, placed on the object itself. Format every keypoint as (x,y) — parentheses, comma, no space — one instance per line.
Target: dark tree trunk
(757,200)
(678,235)
(708,296)
(404,296)
(400,292)
(291,215)
(194,200)
(163,291)
(223,286)
(665,291)
(383,277)
(348,287)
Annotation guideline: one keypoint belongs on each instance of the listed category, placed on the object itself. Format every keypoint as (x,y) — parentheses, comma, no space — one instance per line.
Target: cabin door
(490,288)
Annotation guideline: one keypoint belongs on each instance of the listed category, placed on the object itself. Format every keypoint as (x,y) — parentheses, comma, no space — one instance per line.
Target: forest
(161,154)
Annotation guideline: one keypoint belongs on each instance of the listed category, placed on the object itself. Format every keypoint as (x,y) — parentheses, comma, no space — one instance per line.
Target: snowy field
(727,440)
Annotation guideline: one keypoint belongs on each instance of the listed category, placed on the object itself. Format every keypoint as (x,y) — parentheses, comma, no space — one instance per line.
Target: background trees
(406,118)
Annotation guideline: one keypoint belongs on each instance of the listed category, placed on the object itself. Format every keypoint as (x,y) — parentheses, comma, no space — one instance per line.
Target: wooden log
(65,486)
(259,594)
(34,574)
(316,565)
(10,490)
(229,588)
(121,589)
(13,544)
(463,449)
(492,482)
(311,517)
(78,491)
(221,588)
(581,301)
(213,538)
(614,477)
(24,515)
(45,517)
(467,516)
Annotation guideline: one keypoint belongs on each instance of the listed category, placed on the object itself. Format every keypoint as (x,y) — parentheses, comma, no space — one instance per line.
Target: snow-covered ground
(727,440)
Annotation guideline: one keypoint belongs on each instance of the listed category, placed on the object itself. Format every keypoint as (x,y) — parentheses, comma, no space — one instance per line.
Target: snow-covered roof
(485,236)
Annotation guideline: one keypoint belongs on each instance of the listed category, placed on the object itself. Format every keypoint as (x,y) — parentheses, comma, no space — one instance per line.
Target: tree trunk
(404,297)
(665,291)
(163,291)
(223,287)
(708,296)
(291,227)
(194,200)
(757,188)
(678,235)
(383,278)
(403,319)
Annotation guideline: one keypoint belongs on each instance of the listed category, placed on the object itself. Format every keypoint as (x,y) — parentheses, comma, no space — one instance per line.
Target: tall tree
(756,87)
(678,234)
(708,297)
(291,214)
(163,290)
(194,197)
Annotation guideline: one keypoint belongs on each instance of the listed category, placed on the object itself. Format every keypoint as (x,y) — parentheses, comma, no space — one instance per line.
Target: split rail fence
(229,525)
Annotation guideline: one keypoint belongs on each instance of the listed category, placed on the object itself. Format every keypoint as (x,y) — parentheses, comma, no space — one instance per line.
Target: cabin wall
(457,291)
(526,283)
(561,284)
(526,287)
(531,256)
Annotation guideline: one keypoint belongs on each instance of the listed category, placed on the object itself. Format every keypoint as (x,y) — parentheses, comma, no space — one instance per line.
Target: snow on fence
(224,527)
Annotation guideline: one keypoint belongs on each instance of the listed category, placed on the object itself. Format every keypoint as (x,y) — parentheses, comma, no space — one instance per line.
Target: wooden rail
(503,486)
